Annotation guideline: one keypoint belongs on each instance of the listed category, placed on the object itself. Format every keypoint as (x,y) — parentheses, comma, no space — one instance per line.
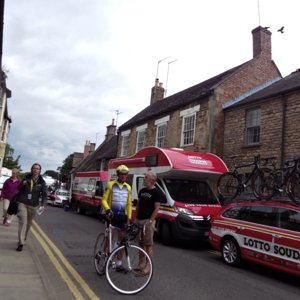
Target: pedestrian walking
(9,191)
(149,199)
(32,189)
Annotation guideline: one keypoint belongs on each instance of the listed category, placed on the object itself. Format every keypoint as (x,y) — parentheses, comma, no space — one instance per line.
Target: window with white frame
(253,126)
(188,132)
(188,125)
(125,144)
(161,133)
(140,140)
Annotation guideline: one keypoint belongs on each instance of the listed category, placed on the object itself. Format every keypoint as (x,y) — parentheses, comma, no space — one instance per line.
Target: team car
(264,232)
(58,197)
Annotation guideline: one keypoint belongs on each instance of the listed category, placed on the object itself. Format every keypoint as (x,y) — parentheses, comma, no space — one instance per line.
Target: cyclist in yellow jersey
(117,202)
(117,199)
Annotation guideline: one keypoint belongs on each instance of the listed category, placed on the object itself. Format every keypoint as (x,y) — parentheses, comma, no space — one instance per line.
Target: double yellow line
(58,259)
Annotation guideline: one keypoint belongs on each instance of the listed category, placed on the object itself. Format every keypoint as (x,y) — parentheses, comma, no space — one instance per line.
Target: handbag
(13,207)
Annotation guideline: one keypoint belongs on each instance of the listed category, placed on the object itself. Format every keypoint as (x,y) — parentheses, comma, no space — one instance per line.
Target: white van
(186,179)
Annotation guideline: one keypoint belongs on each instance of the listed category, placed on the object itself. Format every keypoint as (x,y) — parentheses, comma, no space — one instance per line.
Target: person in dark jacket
(32,190)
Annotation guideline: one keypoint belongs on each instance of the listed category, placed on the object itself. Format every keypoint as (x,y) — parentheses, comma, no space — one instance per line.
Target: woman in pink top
(9,190)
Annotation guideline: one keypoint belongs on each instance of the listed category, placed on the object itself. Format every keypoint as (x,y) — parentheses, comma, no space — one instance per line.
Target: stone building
(5,120)
(97,160)
(265,123)
(193,119)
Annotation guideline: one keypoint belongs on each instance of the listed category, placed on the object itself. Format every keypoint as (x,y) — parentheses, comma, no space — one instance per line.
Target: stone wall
(279,135)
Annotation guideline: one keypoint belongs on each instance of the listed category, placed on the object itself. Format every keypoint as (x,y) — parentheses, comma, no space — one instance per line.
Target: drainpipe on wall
(212,120)
(283,130)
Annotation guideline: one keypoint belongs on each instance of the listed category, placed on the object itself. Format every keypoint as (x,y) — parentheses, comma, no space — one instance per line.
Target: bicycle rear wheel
(263,184)
(101,250)
(125,278)
(228,185)
(293,188)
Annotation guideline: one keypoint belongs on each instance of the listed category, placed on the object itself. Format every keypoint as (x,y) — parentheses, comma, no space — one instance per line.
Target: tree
(52,174)
(65,169)
(8,161)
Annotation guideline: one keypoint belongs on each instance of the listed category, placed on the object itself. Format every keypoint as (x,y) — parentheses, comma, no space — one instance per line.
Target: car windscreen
(62,193)
(190,191)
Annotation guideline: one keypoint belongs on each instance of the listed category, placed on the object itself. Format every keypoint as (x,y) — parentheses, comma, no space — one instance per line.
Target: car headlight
(183,210)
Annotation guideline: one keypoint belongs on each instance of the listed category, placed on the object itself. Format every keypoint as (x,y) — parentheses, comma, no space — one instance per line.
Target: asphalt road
(181,271)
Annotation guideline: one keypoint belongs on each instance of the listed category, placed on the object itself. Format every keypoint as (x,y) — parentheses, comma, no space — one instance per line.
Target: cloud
(72,64)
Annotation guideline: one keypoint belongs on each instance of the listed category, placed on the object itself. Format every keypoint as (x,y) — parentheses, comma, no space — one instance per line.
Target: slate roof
(179,99)
(107,150)
(285,85)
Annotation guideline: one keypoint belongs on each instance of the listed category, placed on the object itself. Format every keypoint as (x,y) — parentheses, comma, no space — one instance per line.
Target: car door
(287,241)
(255,232)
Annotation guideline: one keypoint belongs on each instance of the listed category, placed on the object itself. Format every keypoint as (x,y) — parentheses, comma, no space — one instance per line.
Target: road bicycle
(232,184)
(287,179)
(102,248)
(294,182)
(120,265)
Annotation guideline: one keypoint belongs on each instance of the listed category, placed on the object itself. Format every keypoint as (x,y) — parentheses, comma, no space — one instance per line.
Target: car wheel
(79,210)
(166,234)
(231,253)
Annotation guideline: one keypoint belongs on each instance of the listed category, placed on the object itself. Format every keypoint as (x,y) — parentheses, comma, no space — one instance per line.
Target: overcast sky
(71,64)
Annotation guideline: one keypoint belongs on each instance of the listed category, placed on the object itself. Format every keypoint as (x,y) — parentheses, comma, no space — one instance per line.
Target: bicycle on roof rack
(286,180)
(120,265)
(231,184)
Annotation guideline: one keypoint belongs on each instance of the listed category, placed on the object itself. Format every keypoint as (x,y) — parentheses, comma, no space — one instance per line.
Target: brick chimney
(88,149)
(111,130)
(262,42)
(157,92)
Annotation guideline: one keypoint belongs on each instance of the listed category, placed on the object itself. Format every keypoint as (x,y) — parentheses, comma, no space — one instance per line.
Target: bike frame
(109,233)
(248,177)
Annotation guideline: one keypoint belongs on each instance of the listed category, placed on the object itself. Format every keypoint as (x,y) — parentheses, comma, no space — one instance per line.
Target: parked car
(59,197)
(264,232)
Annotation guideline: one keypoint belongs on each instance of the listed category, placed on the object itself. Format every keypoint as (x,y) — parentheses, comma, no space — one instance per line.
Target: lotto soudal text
(271,248)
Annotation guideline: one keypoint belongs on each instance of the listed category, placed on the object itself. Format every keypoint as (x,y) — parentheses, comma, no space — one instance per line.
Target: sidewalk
(22,274)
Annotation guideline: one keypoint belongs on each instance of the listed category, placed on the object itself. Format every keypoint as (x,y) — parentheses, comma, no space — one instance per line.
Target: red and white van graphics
(265,232)
(87,191)
(186,180)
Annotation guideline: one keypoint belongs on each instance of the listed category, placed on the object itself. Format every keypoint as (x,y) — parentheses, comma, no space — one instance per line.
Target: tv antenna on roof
(258,12)
(159,63)
(117,113)
(168,74)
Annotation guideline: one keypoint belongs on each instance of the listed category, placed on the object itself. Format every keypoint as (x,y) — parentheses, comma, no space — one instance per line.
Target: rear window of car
(289,219)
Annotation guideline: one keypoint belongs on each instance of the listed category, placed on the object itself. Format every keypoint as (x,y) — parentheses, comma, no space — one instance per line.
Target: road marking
(65,262)
(58,267)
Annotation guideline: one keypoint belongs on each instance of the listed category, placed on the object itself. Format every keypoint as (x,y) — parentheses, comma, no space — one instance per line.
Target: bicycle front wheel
(228,185)
(121,269)
(293,188)
(101,250)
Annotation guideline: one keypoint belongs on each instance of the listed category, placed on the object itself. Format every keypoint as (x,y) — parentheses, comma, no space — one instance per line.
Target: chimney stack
(88,149)
(111,130)
(157,92)
(262,42)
